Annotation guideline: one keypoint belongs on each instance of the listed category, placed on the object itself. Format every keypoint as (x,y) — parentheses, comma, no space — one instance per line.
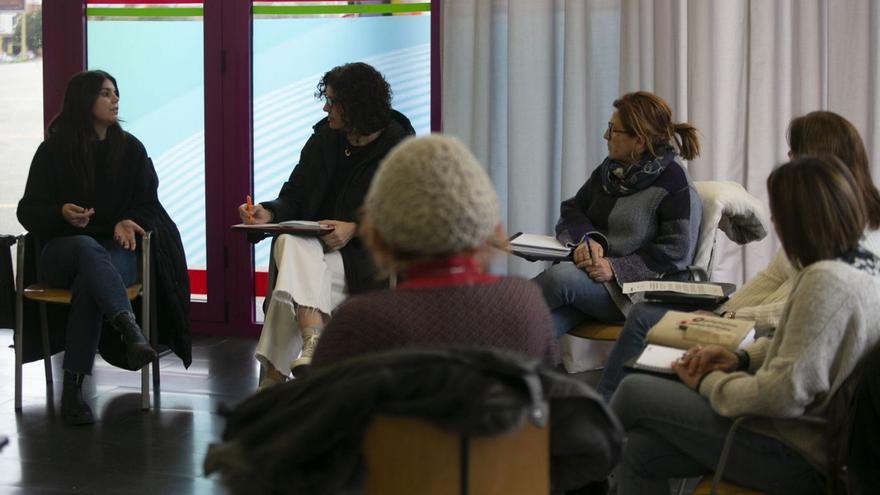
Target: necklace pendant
(347,151)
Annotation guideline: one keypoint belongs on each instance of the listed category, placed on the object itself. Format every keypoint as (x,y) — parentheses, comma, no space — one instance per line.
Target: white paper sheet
(680,287)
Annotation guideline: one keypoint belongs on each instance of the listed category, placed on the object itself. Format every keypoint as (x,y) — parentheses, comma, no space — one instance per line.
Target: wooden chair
(405,455)
(45,295)
(723,488)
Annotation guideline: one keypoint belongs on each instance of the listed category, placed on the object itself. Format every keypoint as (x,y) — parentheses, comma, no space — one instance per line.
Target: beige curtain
(740,70)
(528,84)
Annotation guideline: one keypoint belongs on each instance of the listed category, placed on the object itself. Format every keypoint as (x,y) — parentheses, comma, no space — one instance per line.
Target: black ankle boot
(137,349)
(74,410)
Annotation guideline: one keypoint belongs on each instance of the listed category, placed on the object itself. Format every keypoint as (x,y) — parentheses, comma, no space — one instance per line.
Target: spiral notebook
(658,358)
(536,247)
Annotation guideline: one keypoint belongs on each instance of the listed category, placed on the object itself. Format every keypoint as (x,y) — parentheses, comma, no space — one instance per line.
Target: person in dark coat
(327,186)
(91,191)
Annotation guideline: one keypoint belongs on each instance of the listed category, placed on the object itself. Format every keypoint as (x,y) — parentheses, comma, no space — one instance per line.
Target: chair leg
(145,387)
(154,341)
(19,317)
(47,351)
(146,320)
(145,371)
(19,342)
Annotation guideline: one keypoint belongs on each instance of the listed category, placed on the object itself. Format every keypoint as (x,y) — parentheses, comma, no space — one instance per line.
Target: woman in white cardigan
(677,429)
(763,298)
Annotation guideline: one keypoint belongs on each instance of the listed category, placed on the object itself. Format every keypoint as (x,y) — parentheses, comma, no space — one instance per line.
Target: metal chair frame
(21,293)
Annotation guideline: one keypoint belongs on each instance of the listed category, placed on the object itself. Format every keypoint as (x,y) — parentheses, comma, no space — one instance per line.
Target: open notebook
(538,247)
(294,227)
(678,331)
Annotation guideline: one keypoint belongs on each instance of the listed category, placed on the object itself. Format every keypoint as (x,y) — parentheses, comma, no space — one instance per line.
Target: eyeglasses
(612,130)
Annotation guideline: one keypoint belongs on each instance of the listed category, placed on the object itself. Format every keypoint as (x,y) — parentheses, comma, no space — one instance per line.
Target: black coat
(130,192)
(275,441)
(303,194)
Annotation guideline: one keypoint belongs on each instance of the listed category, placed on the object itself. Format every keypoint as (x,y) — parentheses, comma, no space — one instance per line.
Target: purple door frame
(228,139)
(64,50)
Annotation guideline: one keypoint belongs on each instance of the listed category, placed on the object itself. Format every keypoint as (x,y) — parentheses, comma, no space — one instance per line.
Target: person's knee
(83,250)
(297,246)
(83,244)
(557,280)
(627,399)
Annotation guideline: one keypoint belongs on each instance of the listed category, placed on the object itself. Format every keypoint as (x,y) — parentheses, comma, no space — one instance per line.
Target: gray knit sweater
(831,320)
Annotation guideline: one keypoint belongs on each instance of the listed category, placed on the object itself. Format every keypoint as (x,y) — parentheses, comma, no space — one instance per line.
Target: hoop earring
(632,156)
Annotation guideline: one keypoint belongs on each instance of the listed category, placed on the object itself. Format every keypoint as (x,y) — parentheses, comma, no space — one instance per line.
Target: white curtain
(528,84)
(740,70)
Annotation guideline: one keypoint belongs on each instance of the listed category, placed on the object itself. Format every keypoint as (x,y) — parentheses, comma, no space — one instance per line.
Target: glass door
(294,44)
(155,50)
(221,94)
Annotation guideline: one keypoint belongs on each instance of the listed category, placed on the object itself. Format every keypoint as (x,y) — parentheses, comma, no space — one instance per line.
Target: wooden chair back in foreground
(405,455)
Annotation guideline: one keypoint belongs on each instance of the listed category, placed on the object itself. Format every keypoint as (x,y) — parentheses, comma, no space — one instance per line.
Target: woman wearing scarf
(636,218)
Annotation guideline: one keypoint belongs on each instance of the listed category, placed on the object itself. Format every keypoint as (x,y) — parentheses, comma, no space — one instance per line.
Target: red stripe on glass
(198,282)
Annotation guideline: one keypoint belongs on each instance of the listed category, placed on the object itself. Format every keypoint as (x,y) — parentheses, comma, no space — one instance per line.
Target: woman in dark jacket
(90,191)
(328,186)
(636,218)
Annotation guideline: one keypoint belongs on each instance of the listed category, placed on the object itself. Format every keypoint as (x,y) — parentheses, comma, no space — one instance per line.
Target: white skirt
(306,276)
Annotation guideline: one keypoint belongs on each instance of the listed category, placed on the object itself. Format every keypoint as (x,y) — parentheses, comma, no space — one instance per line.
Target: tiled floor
(126,451)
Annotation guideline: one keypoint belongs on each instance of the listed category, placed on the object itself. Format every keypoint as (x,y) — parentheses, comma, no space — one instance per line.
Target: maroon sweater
(508,314)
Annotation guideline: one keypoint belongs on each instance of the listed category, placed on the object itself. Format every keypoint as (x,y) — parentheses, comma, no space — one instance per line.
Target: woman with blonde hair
(636,218)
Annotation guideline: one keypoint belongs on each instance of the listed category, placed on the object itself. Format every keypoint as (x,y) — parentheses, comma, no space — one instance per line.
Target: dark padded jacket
(274,440)
(303,194)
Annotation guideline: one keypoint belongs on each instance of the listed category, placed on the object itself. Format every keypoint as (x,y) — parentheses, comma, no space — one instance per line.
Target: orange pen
(249,206)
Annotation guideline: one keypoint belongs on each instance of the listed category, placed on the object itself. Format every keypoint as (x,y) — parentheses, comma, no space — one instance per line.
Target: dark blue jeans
(574,297)
(96,274)
(630,343)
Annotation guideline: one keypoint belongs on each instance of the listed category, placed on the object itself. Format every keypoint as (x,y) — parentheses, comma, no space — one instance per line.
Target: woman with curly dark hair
(313,275)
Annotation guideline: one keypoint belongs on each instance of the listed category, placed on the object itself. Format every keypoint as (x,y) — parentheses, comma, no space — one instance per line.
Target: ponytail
(687,140)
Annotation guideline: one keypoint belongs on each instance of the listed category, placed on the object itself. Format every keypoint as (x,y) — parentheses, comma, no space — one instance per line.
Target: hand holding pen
(254,213)
(590,257)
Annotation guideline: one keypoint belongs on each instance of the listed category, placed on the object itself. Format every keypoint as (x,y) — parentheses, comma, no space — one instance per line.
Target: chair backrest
(408,455)
(853,432)
(728,207)
(7,282)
